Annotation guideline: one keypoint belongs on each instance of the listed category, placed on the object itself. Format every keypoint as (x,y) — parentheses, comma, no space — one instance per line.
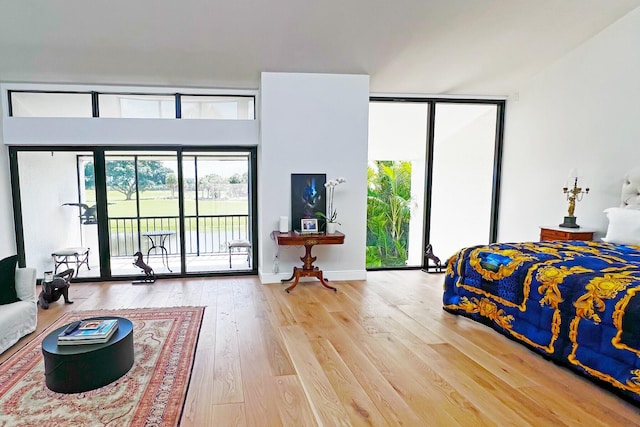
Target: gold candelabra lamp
(573,194)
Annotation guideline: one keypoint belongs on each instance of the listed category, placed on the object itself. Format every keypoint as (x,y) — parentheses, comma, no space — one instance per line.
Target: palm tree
(388,213)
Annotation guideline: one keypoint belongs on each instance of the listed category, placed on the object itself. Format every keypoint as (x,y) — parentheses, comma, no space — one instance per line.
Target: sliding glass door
(143,214)
(462,185)
(395,207)
(185,211)
(216,210)
(433,179)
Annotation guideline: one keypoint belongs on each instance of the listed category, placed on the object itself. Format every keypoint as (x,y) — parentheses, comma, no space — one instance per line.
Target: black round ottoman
(78,368)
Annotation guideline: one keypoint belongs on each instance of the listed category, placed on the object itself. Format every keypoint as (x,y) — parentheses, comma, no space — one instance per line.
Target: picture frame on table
(309,225)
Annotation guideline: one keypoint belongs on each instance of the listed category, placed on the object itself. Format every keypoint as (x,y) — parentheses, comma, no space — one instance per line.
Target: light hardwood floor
(379,352)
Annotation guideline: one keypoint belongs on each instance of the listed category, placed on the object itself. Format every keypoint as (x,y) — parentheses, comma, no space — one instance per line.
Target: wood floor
(379,352)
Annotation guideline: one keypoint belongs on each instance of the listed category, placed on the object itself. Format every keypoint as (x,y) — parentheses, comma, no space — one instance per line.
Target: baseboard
(337,275)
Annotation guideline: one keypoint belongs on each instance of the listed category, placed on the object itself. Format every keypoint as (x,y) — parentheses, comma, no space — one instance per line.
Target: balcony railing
(204,234)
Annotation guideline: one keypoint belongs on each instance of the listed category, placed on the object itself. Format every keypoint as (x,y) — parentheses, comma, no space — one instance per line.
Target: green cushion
(8,280)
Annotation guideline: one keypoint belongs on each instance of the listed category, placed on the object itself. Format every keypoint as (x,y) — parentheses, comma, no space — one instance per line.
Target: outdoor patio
(123,265)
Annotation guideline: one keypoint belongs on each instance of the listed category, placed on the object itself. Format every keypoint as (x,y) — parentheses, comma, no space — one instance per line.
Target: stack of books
(88,332)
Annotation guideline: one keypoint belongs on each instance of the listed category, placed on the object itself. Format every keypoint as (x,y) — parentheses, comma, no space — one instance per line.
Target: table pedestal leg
(292,276)
(307,270)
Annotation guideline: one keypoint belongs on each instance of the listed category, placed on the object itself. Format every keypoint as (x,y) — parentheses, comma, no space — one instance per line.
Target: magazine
(89,332)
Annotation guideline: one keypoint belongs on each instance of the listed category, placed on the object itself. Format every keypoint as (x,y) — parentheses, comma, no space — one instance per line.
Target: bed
(574,302)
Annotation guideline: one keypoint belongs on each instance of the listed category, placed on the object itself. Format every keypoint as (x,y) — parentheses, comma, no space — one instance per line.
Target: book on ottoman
(88,332)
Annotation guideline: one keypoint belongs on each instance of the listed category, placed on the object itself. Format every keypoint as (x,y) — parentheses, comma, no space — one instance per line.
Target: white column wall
(582,112)
(313,123)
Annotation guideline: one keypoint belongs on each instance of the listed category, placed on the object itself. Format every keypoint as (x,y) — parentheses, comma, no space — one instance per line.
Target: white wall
(93,131)
(47,180)
(313,123)
(582,112)
(7,235)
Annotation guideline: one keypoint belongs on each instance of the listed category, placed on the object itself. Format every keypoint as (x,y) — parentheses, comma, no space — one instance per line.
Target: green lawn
(160,203)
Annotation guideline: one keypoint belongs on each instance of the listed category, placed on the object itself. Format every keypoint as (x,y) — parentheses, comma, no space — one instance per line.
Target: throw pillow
(8,280)
(624,226)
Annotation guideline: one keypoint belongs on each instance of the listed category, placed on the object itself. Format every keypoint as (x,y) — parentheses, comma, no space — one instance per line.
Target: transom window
(25,103)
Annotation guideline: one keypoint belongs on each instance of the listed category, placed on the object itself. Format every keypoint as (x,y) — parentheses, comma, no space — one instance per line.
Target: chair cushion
(8,293)
(239,244)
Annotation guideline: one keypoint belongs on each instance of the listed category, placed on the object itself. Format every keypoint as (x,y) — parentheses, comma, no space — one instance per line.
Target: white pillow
(624,226)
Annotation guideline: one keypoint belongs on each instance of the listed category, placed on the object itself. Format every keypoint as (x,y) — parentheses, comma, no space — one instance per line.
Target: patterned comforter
(575,302)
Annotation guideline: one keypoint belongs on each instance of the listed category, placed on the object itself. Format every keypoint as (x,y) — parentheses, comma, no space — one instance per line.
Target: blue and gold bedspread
(575,302)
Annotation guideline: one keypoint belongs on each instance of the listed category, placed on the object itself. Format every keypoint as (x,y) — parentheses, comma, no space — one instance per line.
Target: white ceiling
(464,47)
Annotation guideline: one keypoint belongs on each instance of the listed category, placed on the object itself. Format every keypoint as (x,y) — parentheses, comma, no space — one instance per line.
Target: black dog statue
(430,255)
(58,287)
(150,276)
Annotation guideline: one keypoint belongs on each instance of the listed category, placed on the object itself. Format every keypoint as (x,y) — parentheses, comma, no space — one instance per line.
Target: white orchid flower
(332,214)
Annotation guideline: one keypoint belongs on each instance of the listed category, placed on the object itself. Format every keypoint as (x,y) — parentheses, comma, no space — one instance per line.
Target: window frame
(95,94)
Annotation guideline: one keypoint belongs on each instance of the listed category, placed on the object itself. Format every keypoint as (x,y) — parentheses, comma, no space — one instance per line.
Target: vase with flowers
(331,217)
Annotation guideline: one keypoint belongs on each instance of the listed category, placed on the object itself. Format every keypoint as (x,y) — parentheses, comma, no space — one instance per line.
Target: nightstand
(559,233)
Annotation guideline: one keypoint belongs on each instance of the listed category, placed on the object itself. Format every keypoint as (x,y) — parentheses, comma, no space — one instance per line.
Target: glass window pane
(143,210)
(68,204)
(461,194)
(395,207)
(50,104)
(217,107)
(216,205)
(130,106)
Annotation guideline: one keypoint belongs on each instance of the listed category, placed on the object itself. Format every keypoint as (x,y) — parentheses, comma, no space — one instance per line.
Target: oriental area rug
(152,393)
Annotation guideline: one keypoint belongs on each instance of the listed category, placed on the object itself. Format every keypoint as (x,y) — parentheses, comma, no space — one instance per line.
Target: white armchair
(19,318)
